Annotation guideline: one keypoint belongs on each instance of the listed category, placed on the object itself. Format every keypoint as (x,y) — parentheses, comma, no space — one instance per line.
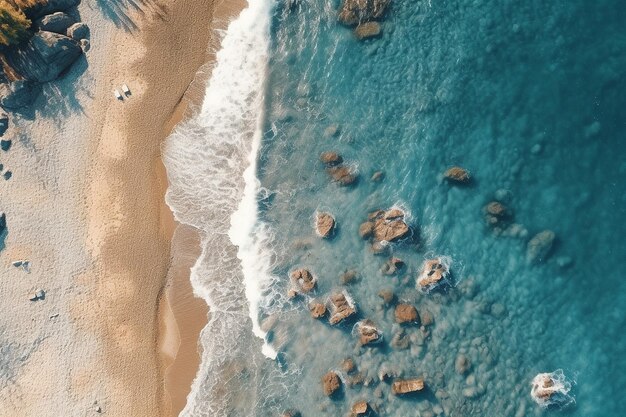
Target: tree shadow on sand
(121,11)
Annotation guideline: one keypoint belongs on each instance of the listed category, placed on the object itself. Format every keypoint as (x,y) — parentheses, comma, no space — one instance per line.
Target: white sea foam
(211,166)
(552,389)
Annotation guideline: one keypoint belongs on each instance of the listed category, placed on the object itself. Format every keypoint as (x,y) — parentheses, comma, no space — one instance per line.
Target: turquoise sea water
(528,96)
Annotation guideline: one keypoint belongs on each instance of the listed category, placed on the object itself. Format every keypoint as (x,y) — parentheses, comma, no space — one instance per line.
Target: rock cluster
(302,281)
(341,307)
(385,226)
(340,173)
(434,271)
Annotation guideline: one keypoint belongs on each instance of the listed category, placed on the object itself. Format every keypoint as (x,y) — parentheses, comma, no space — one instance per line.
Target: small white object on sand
(118,95)
(38,295)
(17,264)
(54,316)
(125,89)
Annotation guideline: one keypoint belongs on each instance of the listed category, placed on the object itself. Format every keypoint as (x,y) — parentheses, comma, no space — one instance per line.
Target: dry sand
(86,206)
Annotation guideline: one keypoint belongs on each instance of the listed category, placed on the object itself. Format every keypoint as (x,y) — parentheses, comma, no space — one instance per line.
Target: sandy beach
(86,207)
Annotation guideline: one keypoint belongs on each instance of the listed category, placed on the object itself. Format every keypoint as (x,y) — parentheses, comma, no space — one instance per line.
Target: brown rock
(291,413)
(341,174)
(348,277)
(324,224)
(331,158)
(457,175)
(433,271)
(368,333)
(366,230)
(360,408)
(392,266)
(317,309)
(353,12)
(376,214)
(406,313)
(426,318)
(341,307)
(331,383)
(394,214)
(406,386)
(367,30)
(303,280)
(387,295)
(390,231)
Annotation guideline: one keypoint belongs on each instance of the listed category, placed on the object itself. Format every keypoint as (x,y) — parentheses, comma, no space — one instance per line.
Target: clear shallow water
(530,98)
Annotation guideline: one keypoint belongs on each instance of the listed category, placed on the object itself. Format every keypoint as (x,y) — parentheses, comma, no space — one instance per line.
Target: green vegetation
(13,22)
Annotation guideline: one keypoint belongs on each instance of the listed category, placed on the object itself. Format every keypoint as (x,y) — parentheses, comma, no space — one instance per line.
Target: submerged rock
(434,272)
(539,246)
(353,12)
(368,332)
(331,383)
(387,296)
(457,175)
(497,215)
(17,94)
(406,313)
(392,266)
(462,364)
(303,280)
(45,56)
(331,158)
(342,175)
(56,22)
(341,307)
(377,176)
(324,224)
(348,365)
(291,413)
(406,386)
(367,30)
(349,277)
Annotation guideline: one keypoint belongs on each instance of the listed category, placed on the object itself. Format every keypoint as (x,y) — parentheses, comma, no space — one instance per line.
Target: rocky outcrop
(302,280)
(367,30)
(324,224)
(385,226)
(331,383)
(317,309)
(330,158)
(78,31)
(407,386)
(457,175)
(4,122)
(17,94)
(360,408)
(342,175)
(45,56)
(353,12)
(39,9)
(406,313)
(56,22)
(368,333)
(539,247)
(341,307)
(392,266)
(434,271)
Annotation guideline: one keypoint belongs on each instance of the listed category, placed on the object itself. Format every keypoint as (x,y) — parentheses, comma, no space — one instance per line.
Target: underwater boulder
(367,30)
(353,12)
(342,175)
(330,158)
(539,246)
(457,175)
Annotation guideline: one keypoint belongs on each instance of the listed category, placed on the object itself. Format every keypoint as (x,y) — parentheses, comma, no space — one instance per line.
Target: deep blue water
(530,97)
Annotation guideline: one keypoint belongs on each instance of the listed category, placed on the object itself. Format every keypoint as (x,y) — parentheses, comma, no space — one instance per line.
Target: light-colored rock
(367,30)
(360,408)
(539,246)
(406,386)
(317,309)
(462,364)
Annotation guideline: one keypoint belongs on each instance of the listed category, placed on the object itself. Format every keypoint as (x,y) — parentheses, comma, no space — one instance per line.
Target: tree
(13,24)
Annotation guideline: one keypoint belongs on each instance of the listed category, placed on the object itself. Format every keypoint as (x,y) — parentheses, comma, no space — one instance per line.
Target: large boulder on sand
(407,386)
(56,22)
(45,56)
(331,383)
(353,12)
(434,271)
(17,94)
(539,246)
(78,31)
(324,224)
(341,307)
